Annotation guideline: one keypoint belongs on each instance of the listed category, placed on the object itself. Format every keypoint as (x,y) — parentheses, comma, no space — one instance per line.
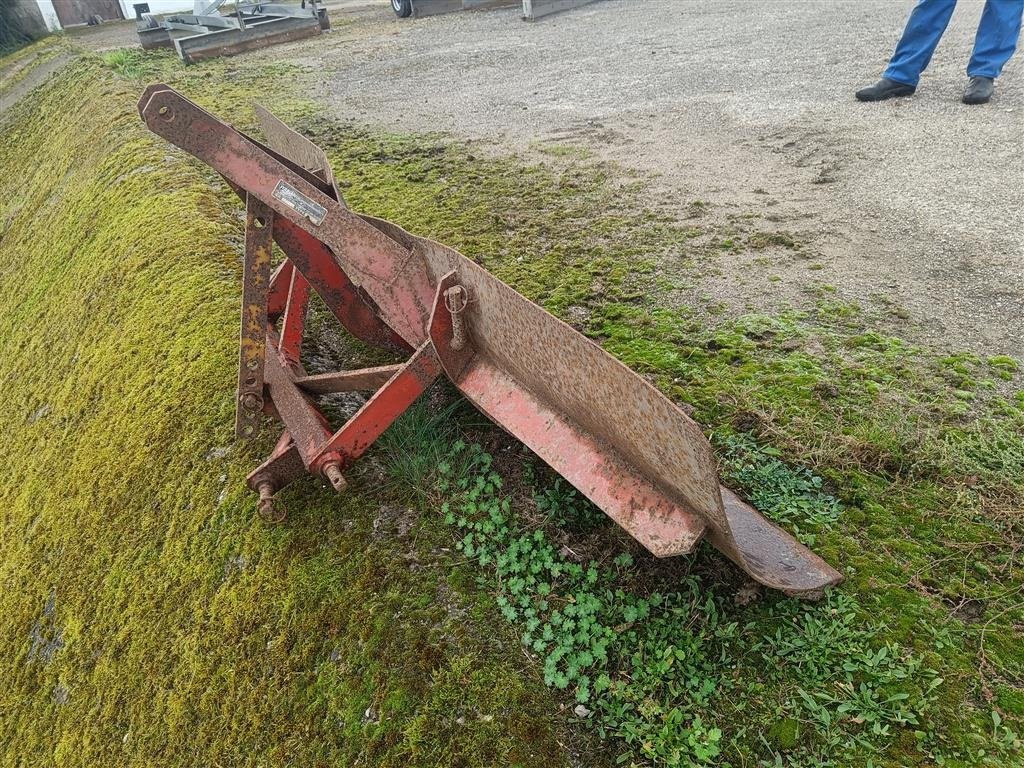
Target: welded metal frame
(609,432)
(287,392)
(205,34)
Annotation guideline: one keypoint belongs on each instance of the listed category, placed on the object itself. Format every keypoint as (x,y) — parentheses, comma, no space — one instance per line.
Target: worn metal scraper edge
(608,431)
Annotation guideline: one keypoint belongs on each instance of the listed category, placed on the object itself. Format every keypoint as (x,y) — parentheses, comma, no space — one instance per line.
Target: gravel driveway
(918,201)
(748,106)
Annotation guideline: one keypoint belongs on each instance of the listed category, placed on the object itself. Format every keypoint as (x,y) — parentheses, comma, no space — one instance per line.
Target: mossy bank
(147,617)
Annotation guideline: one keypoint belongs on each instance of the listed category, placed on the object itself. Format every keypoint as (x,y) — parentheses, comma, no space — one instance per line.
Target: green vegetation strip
(904,467)
(124,608)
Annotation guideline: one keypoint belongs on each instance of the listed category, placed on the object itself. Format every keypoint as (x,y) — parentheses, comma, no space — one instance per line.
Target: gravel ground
(748,106)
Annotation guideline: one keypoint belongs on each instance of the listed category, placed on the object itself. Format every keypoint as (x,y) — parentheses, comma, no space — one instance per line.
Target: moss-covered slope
(146,616)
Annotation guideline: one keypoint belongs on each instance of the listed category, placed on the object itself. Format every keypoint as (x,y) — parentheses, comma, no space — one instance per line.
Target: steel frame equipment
(205,34)
(610,433)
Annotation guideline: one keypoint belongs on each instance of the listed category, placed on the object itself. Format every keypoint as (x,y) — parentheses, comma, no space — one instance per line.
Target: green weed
(132,63)
(653,667)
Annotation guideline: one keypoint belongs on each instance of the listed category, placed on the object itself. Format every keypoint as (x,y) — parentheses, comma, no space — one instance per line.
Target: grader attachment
(615,437)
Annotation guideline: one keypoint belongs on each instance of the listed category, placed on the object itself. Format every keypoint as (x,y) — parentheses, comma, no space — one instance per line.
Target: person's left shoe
(979,90)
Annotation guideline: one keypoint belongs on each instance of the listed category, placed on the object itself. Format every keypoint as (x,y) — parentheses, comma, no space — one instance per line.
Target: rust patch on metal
(259,226)
(348,381)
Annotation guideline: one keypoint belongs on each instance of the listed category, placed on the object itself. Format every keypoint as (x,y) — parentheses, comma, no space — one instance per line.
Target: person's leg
(997,37)
(925,26)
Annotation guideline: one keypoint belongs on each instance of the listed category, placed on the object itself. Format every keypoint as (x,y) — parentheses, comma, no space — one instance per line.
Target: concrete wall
(49,15)
(21,22)
(535,9)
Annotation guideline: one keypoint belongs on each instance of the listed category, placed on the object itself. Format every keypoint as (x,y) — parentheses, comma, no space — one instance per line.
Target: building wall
(20,22)
(47,14)
(156,6)
(75,12)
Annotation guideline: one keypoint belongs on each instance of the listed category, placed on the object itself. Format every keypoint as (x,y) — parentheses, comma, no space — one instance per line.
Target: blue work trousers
(994,45)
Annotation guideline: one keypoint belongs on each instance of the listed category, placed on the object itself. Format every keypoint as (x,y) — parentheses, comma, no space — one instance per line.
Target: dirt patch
(26,75)
(914,204)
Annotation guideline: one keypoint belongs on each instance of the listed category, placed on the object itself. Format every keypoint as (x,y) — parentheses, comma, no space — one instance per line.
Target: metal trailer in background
(532,9)
(206,34)
(405,8)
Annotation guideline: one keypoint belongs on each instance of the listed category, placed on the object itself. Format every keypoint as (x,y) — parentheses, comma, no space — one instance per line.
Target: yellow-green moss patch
(146,616)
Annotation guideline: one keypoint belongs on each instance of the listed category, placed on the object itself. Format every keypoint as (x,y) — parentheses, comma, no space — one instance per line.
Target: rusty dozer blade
(610,433)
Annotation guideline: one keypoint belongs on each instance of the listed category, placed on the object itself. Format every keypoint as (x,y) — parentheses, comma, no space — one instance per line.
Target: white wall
(49,15)
(155,6)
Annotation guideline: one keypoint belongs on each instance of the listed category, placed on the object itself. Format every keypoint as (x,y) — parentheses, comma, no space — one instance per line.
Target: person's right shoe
(979,90)
(885,89)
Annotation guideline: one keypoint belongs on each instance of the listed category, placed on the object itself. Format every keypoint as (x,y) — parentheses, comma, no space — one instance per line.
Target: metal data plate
(299,203)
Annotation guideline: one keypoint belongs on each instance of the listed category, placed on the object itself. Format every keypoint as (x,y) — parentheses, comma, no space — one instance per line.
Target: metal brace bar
(294,318)
(259,229)
(348,381)
(280,285)
(386,405)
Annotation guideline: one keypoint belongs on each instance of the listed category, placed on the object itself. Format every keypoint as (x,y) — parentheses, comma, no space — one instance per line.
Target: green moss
(17,65)
(785,734)
(761,240)
(147,617)
(1004,366)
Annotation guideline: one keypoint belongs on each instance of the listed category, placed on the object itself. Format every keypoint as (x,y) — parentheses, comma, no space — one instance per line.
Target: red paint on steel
(395,278)
(283,467)
(614,436)
(348,381)
(294,322)
(630,499)
(280,284)
(259,221)
(316,262)
(307,427)
(386,405)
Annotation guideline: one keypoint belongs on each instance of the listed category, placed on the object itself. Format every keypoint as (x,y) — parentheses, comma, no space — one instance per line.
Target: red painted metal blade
(566,398)
(606,429)
(662,525)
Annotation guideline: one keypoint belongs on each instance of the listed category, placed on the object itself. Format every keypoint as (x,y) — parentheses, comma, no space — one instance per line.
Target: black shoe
(979,90)
(885,89)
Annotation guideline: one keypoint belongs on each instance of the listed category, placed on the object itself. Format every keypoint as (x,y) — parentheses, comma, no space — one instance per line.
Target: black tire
(403,8)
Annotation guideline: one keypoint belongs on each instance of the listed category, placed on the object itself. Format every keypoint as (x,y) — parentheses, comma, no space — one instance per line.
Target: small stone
(42,413)
(61,694)
(747,594)
(582,712)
